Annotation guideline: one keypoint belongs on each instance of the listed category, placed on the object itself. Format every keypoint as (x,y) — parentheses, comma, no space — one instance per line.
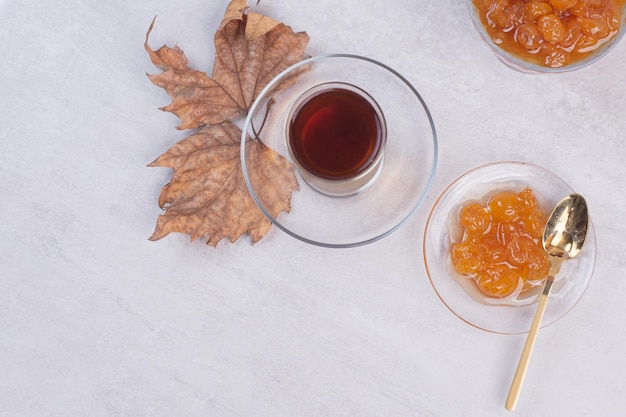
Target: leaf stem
(257,134)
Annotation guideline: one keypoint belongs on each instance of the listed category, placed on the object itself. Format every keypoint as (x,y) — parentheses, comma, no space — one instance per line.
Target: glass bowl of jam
(549,35)
(360,139)
(483,253)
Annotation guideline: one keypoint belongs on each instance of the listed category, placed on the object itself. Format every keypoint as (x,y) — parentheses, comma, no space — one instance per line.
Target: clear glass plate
(410,153)
(570,284)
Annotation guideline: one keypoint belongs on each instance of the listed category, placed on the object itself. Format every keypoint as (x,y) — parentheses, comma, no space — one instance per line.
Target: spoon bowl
(566,229)
(563,238)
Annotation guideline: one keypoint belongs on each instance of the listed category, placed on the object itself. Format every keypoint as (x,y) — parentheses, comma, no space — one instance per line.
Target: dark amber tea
(336,133)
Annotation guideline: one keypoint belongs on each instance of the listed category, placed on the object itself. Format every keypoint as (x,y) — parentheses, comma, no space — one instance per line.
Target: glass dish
(408,163)
(522,65)
(570,284)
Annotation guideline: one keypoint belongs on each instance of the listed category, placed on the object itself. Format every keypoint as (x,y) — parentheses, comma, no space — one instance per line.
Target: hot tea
(336,132)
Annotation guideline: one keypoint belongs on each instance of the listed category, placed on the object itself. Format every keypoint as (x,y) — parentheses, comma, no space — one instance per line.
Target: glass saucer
(456,292)
(408,164)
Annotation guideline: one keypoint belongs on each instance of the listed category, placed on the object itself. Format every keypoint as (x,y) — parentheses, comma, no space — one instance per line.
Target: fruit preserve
(550,33)
(500,249)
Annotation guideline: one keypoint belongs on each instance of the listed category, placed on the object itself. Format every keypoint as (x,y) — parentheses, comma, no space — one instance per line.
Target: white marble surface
(95,320)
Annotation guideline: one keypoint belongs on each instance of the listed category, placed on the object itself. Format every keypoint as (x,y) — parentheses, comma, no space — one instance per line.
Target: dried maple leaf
(207,196)
(244,64)
(234,10)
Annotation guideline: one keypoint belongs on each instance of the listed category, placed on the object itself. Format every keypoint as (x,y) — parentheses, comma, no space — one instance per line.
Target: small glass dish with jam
(514,199)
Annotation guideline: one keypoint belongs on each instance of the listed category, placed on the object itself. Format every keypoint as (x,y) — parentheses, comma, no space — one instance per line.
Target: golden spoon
(563,238)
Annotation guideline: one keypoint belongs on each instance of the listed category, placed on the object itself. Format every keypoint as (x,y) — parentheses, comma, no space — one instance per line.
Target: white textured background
(95,320)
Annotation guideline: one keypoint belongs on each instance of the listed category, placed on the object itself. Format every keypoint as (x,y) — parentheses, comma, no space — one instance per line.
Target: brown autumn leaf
(242,68)
(234,10)
(207,196)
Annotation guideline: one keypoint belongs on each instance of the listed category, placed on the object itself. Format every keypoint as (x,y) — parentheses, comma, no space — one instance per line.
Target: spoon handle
(520,373)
